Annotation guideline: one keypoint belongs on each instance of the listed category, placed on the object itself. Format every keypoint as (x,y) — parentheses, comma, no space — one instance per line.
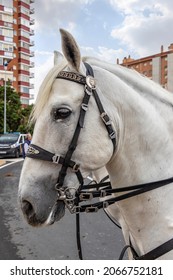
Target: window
(25,11)
(7,18)
(24,45)
(26,1)
(24,89)
(23,56)
(6,47)
(25,34)
(24,67)
(7,32)
(24,78)
(8,39)
(24,101)
(24,21)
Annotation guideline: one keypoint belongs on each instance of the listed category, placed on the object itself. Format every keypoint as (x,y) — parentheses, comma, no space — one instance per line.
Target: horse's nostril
(27,208)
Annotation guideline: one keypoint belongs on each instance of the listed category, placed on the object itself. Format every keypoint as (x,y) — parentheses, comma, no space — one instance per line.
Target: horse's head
(57,113)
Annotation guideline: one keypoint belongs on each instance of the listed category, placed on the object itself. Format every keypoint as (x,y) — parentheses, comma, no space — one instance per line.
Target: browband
(71,76)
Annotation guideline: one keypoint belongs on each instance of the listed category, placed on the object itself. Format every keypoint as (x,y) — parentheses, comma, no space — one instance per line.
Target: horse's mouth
(57,212)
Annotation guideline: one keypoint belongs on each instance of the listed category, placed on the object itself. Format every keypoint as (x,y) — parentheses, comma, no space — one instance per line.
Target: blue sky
(108,29)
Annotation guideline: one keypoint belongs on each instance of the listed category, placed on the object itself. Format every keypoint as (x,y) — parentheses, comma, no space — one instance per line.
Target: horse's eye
(61,113)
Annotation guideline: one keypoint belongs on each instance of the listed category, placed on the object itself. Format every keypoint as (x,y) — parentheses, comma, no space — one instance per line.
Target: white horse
(141,114)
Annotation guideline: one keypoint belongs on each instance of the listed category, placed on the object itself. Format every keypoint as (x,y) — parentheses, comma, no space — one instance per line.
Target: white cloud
(146,25)
(103,53)
(52,14)
(143,27)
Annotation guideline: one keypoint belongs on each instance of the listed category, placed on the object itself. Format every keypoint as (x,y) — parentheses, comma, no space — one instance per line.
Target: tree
(24,125)
(16,116)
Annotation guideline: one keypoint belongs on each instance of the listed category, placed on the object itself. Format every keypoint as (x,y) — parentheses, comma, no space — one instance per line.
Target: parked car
(11,144)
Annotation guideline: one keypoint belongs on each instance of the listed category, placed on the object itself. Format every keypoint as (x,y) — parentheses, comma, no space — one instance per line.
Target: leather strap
(158,251)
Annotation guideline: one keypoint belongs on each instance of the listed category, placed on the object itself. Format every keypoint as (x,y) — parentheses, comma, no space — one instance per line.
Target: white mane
(134,79)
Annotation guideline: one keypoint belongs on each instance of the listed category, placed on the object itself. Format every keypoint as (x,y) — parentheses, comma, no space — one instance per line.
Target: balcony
(31,43)
(31,53)
(31,86)
(32,21)
(32,64)
(31,33)
(31,75)
(31,96)
(32,11)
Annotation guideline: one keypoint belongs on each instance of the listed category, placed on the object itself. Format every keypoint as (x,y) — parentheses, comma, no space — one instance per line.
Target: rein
(102,189)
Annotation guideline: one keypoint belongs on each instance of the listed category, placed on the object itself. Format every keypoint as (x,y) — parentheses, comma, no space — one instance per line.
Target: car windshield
(8,138)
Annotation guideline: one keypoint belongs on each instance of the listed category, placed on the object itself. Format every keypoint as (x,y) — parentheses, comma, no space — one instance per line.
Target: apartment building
(158,67)
(16,42)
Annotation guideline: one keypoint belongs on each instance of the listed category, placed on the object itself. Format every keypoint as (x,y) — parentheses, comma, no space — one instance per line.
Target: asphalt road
(100,238)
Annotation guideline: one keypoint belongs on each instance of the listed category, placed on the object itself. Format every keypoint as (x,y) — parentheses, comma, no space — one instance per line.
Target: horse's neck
(144,154)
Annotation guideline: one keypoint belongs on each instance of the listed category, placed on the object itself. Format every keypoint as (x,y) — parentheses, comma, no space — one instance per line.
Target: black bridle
(66,162)
(99,190)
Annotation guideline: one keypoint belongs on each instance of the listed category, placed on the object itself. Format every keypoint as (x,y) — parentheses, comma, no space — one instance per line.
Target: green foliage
(16,116)
(25,126)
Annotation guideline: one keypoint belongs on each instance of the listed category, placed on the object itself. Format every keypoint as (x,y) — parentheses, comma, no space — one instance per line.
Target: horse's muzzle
(35,219)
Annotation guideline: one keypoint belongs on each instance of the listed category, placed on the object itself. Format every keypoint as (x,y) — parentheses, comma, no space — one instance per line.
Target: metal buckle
(103,116)
(91,209)
(85,196)
(112,135)
(102,193)
(56,159)
(75,167)
(84,106)
(90,81)
(61,194)
(75,210)
(105,204)
(70,197)
(88,90)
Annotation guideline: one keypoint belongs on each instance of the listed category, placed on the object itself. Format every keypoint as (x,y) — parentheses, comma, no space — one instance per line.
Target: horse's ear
(70,50)
(58,57)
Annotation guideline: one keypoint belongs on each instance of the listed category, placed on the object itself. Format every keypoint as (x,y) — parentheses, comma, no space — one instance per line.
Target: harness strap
(137,190)
(74,140)
(36,152)
(158,251)
(104,116)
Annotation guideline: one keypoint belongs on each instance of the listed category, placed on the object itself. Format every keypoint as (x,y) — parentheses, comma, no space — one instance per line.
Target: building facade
(158,67)
(16,42)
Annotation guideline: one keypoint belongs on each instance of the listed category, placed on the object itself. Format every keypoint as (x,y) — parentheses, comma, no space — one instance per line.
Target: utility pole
(5,96)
